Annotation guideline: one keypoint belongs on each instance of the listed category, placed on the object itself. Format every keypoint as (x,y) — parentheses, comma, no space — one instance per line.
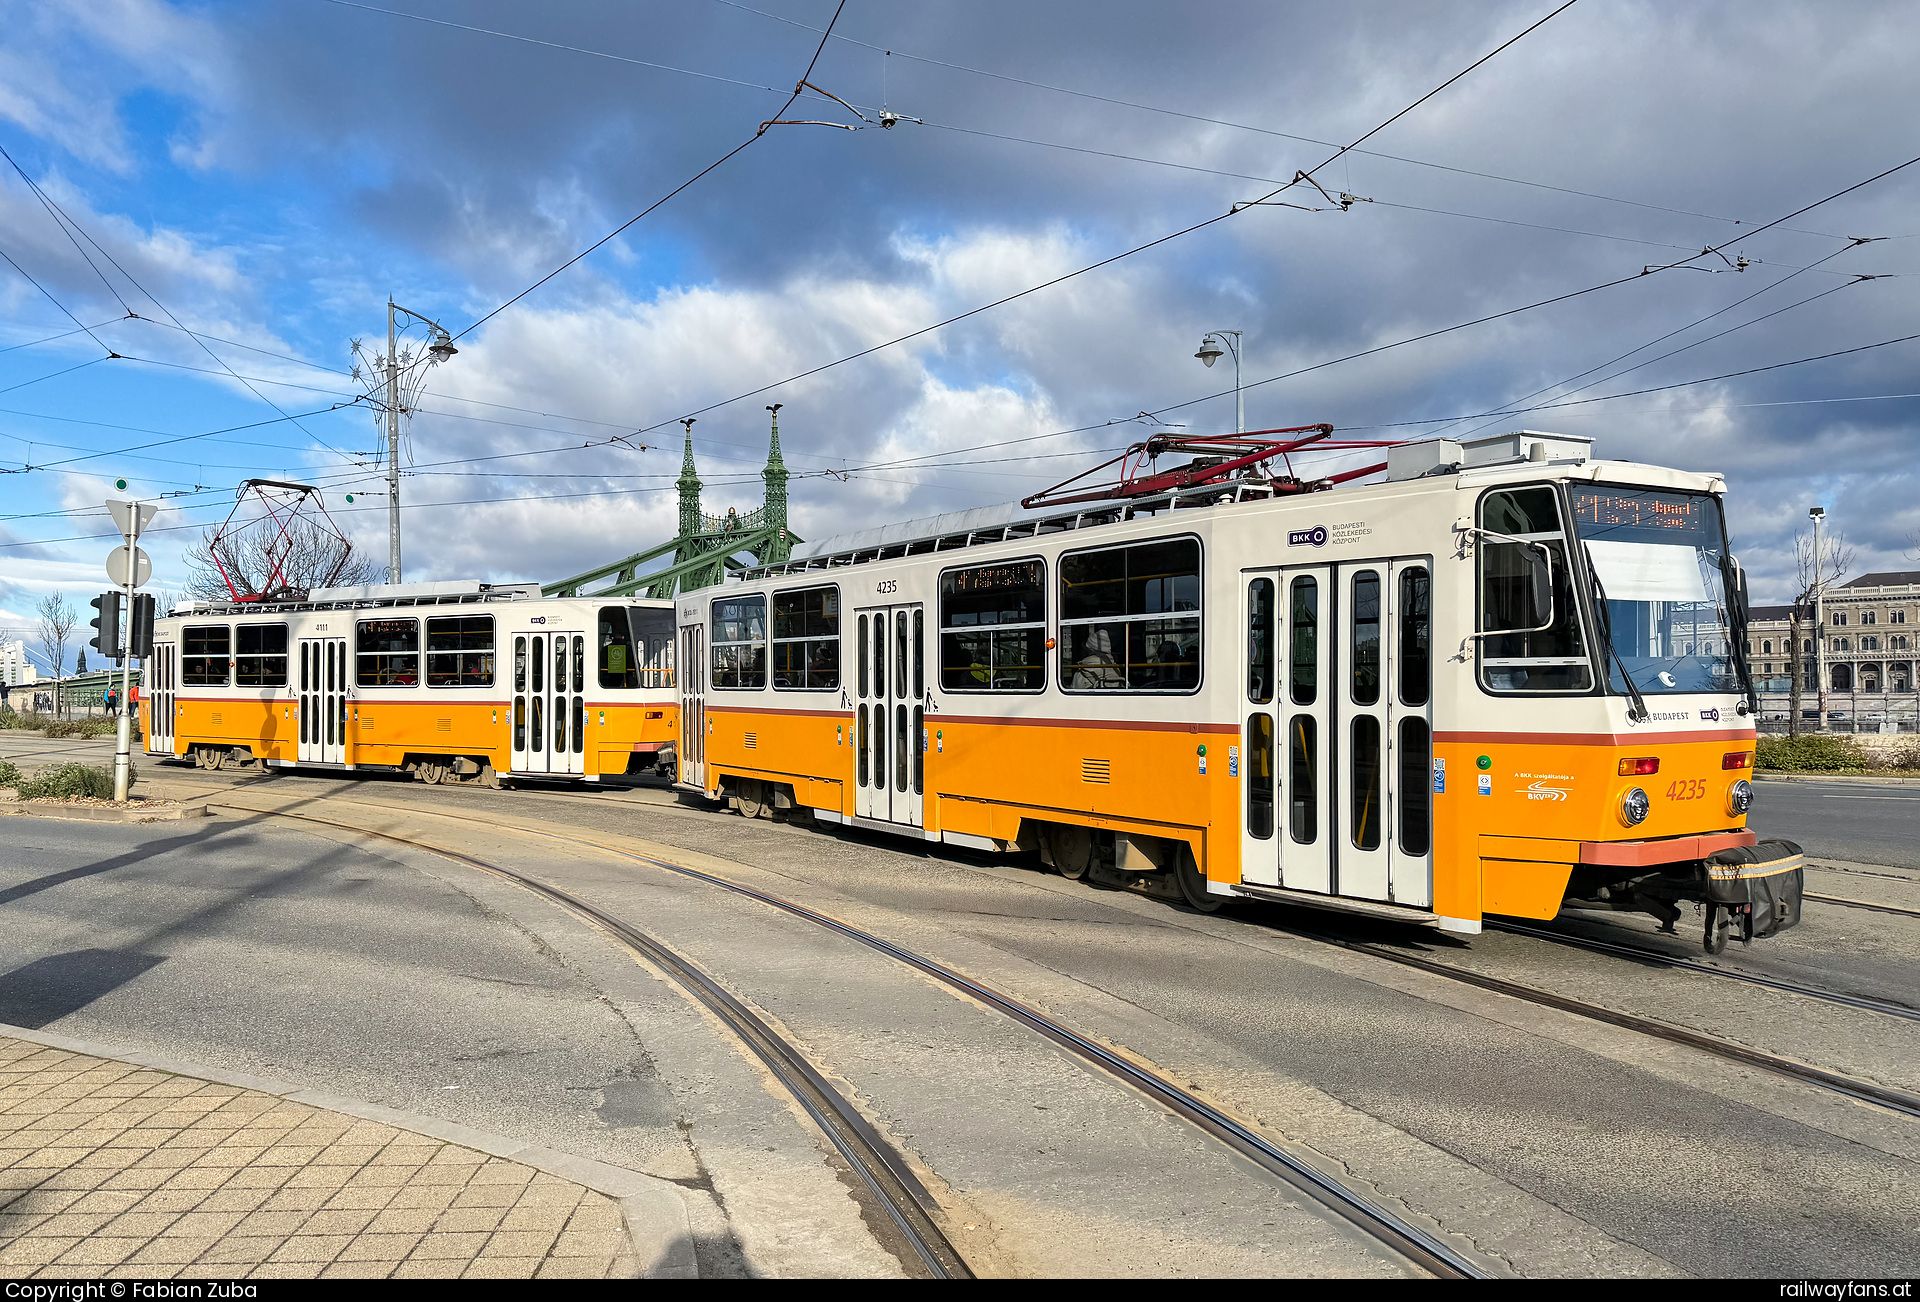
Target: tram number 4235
(886,586)
(1687,789)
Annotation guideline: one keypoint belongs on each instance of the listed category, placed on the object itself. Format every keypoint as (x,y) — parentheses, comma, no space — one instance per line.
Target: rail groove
(1863,1091)
(1865,904)
(1641,954)
(879,1165)
(1420,1248)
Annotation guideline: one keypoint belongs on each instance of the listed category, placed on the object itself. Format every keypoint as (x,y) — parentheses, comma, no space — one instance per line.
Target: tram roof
(375,596)
(1521,453)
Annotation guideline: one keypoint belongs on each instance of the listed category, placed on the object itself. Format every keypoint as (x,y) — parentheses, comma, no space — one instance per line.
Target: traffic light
(106,626)
(140,627)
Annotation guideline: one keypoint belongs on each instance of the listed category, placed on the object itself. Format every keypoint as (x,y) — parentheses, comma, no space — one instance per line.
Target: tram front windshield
(1659,559)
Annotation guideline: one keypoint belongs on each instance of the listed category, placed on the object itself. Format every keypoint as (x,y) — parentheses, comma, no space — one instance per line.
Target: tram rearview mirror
(1540,569)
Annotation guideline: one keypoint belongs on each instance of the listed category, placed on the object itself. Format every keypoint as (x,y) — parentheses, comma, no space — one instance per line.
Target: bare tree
(305,557)
(57,619)
(1815,575)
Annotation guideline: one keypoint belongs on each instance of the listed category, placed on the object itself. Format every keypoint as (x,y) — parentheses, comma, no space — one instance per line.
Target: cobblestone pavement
(110,1169)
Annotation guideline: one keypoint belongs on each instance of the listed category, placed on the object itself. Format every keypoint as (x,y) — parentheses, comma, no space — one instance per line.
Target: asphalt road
(1855,821)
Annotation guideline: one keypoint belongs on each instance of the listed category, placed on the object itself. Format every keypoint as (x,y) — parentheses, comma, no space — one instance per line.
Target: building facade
(1858,667)
(15,669)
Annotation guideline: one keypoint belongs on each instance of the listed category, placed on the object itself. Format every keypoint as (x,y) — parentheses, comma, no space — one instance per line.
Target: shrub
(1812,753)
(9,775)
(69,780)
(60,728)
(91,728)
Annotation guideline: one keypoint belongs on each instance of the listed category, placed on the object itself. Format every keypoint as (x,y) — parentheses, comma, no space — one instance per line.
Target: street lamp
(1212,344)
(439,351)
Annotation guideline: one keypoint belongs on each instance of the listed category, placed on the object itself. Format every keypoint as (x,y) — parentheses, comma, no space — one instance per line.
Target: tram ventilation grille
(214,719)
(443,725)
(1096,770)
(753,741)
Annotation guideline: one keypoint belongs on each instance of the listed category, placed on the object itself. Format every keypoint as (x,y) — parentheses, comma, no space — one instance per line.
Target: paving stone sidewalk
(112,1169)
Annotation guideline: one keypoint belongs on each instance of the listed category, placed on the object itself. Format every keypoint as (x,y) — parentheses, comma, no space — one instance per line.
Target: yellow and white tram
(455,682)
(1509,676)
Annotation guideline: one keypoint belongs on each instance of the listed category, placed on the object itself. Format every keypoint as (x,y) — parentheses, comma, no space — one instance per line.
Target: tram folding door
(890,735)
(321,681)
(549,702)
(1336,745)
(157,691)
(693,706)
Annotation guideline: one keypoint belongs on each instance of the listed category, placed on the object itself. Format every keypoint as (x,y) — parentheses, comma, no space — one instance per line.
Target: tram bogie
(448,682)
(1508,679)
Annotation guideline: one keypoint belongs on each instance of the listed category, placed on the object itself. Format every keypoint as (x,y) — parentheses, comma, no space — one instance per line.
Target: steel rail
(1863,1002)
(1865,904)
(1865,1091)
(880,1166)
(1419,1247)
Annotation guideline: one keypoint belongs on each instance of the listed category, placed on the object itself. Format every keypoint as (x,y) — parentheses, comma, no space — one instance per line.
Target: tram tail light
(1640,767)
(1740,759)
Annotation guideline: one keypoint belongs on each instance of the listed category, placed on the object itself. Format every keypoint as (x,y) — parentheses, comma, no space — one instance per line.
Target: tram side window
(806,639)
(1416,635)
(619,663)
(388,653)
(1516,653)
(460,651)
(1130,618)
(203,655)
(740,643)
(1260,641)
(993,628)
(260,655)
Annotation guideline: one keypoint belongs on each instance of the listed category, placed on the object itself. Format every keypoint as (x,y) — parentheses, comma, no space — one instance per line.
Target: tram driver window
(260,656)
(740,643)
(1130,618)
(388,653)
(203,655)
(619,660)
(1517,654)
(993,628)
(806,639)
(460,651)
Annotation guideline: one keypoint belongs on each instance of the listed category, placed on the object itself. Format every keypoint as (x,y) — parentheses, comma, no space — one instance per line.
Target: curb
(1765,776)
(99,814)
(658,1228)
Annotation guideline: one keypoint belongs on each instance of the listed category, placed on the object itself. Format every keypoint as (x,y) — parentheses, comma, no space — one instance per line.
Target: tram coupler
(1748,891)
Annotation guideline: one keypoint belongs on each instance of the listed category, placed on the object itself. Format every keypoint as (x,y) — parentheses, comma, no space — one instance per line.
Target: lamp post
(1212,344)
(1818,515)
(439,351)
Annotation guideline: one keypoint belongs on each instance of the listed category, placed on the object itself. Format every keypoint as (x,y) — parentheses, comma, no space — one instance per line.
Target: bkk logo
(1711,716)
(1314,537)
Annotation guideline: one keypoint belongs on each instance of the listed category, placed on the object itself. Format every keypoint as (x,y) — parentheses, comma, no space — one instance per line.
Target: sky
(225,196)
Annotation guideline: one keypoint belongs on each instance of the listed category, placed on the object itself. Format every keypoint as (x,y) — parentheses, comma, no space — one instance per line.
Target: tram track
(1863,1091)
(1895,909)
(1640,953)
(880,1166)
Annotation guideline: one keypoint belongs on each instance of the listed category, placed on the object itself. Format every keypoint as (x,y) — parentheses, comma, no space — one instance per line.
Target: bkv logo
(1314,537)
(1711,716)
(1535,791)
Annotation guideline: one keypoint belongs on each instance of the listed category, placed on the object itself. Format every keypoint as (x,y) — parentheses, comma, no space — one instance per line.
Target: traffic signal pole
(123,727)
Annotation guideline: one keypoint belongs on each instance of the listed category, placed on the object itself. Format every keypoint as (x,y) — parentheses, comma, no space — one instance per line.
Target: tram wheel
(1193,883)
(1072,850)
(751,795)
(1719,925)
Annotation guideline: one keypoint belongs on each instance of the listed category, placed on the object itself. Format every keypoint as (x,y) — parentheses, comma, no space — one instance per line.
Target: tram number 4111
(1687,789)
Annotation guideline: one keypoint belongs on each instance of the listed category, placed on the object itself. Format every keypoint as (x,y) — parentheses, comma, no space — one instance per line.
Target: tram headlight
(1634,807)
(1740,797)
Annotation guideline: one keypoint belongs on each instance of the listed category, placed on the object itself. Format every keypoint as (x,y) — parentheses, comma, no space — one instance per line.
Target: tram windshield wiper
(1605,615)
